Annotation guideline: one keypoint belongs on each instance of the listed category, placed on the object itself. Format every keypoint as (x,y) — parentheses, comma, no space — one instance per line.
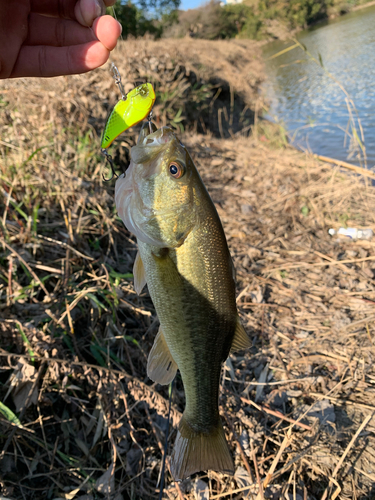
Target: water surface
(309,104)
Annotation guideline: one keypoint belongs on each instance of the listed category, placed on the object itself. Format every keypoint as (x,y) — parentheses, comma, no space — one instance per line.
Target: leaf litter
(298,406)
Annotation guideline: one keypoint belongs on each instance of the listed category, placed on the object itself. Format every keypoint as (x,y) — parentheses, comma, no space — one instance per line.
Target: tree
(159,7)
(143,17)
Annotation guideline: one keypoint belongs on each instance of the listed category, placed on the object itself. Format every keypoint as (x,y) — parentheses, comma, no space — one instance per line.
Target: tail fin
(197,451)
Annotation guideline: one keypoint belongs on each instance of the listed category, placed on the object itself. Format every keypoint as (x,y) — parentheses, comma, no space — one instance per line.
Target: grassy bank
(79,418)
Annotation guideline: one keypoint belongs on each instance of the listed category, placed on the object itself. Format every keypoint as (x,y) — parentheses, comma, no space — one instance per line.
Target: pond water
(309,104)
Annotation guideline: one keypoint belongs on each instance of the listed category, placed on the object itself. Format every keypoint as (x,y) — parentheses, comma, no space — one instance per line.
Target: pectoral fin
(161,367)
(139,274)
(240,339)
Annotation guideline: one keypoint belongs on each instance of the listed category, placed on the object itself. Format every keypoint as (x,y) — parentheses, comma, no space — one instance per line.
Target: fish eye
(176,170)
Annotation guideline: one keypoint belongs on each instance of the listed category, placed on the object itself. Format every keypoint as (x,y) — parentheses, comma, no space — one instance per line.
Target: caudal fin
(198,451)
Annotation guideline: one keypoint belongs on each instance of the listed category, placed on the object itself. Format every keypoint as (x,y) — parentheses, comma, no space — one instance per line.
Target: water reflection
(311,106)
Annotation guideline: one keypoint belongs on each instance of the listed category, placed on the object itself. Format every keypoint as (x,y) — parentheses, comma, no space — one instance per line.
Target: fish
(183,257)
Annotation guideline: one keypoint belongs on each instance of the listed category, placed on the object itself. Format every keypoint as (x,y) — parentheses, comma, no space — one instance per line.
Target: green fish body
(184,258)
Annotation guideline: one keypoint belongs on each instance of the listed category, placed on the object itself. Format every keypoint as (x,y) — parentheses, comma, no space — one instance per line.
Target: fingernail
(99,8)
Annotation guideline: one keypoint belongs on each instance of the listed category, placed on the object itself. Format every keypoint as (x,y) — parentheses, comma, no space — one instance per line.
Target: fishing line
(166,442)
(132,108)
(117,78)
(114,15)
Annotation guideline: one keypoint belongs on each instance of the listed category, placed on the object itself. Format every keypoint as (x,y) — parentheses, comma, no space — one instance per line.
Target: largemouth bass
(184,258)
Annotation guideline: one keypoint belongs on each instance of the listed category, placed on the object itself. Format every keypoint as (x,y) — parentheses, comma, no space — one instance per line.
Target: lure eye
(176,170)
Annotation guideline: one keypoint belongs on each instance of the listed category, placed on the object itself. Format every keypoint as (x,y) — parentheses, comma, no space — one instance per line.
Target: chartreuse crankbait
(135,108)
(130,110)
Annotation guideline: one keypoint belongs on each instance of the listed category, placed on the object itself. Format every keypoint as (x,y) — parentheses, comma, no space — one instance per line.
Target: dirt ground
(79,419)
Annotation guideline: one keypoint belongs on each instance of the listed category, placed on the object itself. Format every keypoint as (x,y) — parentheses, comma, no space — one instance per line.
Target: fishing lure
(130,110)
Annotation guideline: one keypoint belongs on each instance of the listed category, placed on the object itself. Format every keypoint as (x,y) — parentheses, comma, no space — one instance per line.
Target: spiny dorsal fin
(161,367)
(240,339)
(139,274)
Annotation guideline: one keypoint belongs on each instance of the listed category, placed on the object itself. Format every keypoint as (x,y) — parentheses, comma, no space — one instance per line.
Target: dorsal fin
(161,367)
(240,339)
(139,274)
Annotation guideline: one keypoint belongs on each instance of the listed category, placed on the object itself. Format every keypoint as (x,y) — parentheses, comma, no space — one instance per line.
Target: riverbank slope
(74,336)
(257,19)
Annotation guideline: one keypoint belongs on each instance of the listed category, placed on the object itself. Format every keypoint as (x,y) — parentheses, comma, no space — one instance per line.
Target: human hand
(54,37)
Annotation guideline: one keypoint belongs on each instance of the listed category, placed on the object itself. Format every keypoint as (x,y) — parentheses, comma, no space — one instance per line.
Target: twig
(318,264)
(67,362)
(5,244)
(286,442)
(276,382)
(340,462)
(370,476)
(242,453)
(71,306)
(36,381)
(260,486)
(342,401)
(163,451)
(358,170)
(49,269)
(61,243)
(360,429)
(276,414)
(10,274)
(232,492)
(129,305)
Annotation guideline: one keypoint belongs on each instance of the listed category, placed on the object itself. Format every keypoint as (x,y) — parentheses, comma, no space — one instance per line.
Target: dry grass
(85,421)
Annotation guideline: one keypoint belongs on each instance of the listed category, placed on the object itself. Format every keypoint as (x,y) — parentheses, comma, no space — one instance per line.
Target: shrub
(296,13)
(252,28)
(213,22)
(234,18)
(135,20)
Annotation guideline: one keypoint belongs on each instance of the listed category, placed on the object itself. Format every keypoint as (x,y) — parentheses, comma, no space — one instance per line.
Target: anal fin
(240,339)
(161,367)
(139,274)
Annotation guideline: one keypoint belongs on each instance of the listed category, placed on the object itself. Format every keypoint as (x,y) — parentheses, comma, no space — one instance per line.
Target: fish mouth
(148,128)
(150,145)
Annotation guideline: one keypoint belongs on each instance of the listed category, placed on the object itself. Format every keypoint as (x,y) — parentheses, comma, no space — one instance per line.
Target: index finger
(78,10)
(55,8)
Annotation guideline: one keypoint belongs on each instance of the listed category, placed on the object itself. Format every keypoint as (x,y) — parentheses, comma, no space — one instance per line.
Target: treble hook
(110,161)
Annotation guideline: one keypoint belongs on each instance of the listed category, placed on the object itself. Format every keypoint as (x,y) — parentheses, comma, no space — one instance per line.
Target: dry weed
(79,419)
